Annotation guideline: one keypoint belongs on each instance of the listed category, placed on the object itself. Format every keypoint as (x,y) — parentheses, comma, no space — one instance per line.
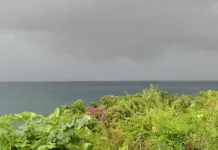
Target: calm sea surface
(44,97)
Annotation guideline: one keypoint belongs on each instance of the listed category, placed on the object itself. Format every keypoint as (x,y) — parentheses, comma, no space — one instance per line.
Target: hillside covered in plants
(150,120)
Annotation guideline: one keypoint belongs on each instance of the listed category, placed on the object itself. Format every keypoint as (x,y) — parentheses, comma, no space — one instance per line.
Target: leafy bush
(53,132)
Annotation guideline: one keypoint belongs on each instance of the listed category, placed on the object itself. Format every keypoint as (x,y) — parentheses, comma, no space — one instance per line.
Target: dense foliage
(150,120)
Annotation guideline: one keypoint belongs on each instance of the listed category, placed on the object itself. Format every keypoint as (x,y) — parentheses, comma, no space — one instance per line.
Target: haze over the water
(47,40)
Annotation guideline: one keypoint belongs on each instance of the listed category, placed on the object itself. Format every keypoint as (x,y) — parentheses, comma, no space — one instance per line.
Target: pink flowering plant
(97,113)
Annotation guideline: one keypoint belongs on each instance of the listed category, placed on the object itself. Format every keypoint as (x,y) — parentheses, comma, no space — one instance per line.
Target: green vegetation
(150,120)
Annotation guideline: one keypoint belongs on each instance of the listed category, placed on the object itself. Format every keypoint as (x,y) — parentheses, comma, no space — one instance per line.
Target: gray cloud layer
(100,29)
(23,60)
(132,39)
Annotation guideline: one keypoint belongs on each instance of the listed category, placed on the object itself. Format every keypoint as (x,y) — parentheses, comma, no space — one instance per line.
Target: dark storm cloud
(99,29)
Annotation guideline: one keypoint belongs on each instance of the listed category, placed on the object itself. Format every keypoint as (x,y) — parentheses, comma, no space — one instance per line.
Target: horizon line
(109,81)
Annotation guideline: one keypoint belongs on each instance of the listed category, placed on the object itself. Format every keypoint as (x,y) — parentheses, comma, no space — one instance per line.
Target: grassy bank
(149,120)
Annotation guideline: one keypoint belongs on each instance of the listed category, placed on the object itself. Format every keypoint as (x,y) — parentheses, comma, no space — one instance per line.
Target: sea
(44,97)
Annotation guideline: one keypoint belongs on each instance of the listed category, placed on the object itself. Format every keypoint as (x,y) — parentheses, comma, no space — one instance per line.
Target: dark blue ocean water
(44,97)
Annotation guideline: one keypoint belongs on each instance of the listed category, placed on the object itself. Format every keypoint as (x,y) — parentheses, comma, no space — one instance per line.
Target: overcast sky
(108,40)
